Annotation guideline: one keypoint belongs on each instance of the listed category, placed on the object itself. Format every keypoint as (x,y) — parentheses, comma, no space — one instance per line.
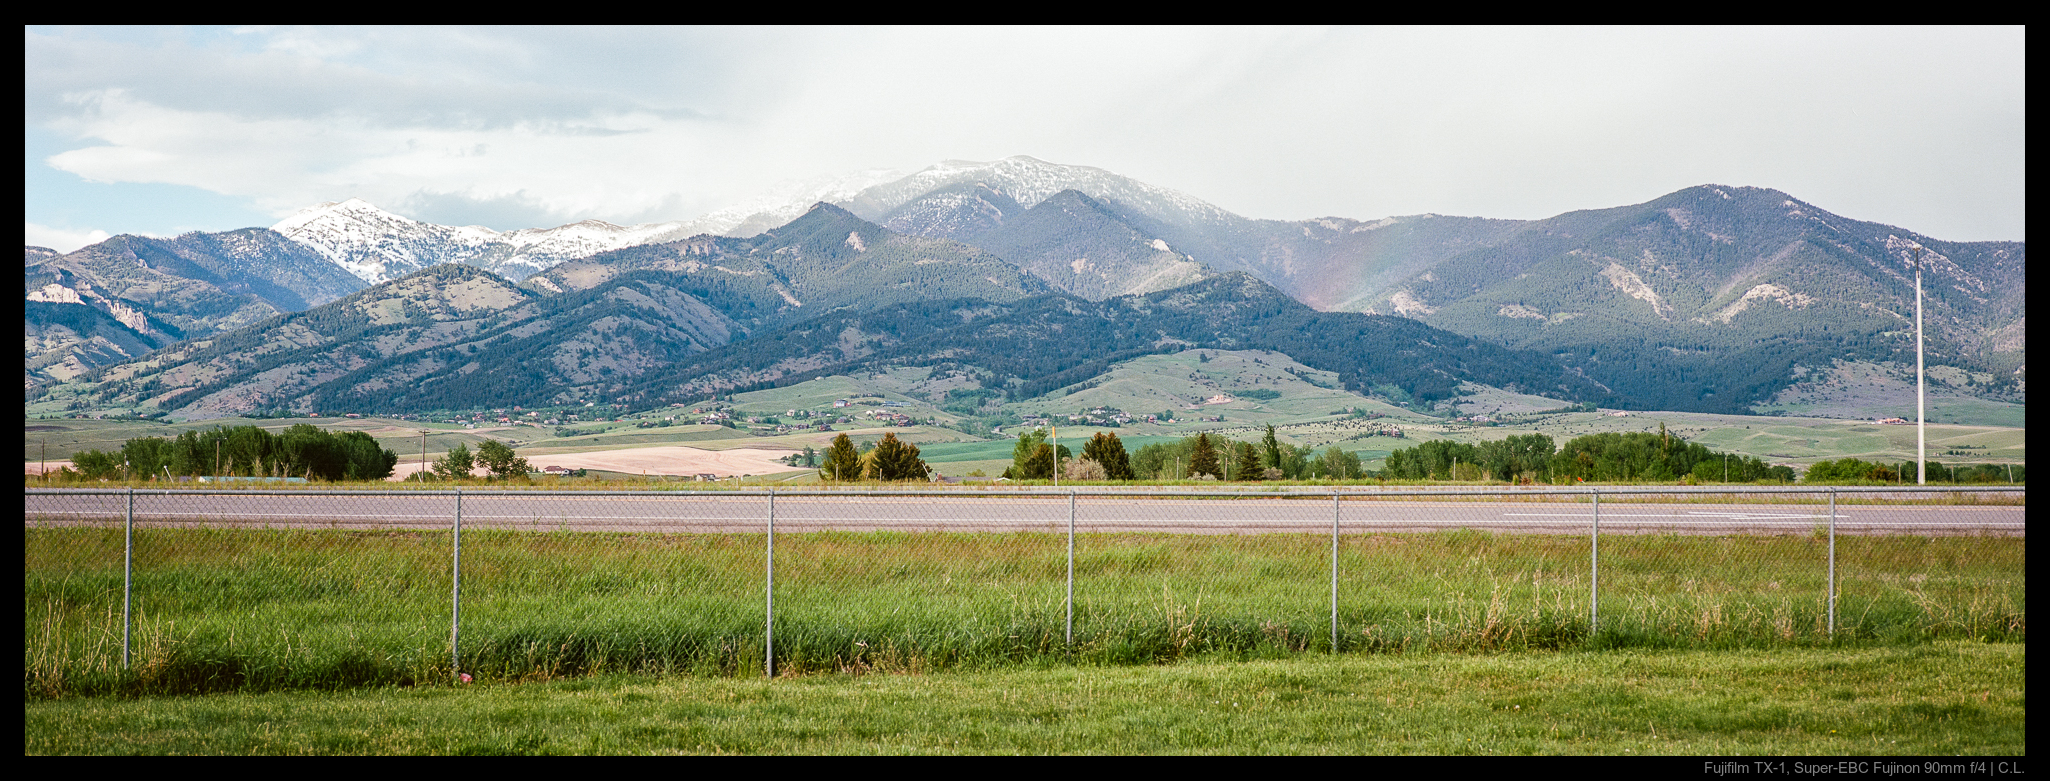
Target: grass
(263,610)
(1943,698)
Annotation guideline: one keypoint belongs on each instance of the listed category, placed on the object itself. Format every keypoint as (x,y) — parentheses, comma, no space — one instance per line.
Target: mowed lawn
(1947,697)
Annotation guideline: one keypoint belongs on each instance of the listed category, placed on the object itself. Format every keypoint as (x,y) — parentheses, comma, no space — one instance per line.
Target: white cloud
(1919,128)
(60,239)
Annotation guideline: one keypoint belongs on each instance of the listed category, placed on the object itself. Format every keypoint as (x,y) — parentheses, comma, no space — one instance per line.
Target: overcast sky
(166,130)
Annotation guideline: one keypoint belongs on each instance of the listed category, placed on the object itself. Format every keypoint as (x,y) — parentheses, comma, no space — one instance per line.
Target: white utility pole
(1921,395)
(1056,433)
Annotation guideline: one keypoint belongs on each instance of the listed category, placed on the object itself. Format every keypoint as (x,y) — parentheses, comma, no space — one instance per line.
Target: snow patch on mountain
(1029,180)
(378,245)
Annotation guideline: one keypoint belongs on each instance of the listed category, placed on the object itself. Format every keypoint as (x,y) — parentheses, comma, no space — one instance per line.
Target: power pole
(1921,395)
(423,455)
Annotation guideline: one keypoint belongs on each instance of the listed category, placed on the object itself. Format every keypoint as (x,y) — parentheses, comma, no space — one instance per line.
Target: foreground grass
(254,610)
(1942,698)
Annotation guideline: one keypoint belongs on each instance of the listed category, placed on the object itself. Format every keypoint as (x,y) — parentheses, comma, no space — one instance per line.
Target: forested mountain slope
(1035,346)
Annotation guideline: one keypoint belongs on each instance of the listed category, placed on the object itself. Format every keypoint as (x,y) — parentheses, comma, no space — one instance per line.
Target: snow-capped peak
(378,245)
(1029,180)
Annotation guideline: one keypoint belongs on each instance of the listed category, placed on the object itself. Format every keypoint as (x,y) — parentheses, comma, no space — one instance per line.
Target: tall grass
(258,610)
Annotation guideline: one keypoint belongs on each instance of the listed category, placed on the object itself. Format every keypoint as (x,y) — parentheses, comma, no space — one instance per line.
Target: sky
(161,131)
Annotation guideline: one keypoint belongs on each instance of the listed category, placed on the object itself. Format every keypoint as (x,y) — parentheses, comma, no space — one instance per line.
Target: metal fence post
(455,594)
(769,623)
(1594,568)
(127,574)
(1832,564)
(1334,572)
(1071,566)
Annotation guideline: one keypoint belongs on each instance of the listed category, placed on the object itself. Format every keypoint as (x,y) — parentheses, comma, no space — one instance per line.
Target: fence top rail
(998,493)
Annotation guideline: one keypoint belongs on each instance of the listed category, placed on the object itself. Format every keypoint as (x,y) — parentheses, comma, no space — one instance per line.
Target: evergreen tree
(842,463)
(1203,460)
(1041,465)
(1107,450)
(1032,458)
(1248,466)
(1271,449)
(894,459)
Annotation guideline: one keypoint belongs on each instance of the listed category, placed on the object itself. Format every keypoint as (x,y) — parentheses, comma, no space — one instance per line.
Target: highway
(987,513)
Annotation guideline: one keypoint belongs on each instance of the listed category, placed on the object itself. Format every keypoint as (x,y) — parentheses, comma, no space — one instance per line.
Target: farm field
(1945,698)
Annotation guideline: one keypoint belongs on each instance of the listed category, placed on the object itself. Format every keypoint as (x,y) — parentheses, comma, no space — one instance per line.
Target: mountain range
(1712,298)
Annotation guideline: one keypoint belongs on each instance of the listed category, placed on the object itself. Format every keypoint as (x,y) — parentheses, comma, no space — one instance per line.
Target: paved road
(749,514)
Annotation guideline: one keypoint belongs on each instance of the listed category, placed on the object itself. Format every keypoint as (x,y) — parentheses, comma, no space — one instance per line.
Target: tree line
(302,450)
(1609,457)
(1853,471)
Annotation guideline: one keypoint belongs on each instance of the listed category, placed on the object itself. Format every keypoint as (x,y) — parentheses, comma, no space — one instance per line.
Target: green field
(259,610)
(1946,698)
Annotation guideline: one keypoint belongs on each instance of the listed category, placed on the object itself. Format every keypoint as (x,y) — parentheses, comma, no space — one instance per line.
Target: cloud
(1920,128)
(60,239)
(501,213)
(402,77)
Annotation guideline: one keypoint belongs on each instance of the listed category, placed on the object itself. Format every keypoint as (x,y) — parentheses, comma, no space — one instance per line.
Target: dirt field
(652,461)
(682,461)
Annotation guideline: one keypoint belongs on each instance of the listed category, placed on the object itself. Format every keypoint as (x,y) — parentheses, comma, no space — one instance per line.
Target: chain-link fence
(184,591)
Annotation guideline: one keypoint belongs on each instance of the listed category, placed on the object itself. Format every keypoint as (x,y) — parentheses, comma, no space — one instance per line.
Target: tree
(1339,465)
(497,457)
(1203,461)
(147,456)
(1107,450)
(1295,462)
(842,461)
(894,459)
(1271,447)
(1248,466)
(1032,458)
(96,465)
(456,464)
